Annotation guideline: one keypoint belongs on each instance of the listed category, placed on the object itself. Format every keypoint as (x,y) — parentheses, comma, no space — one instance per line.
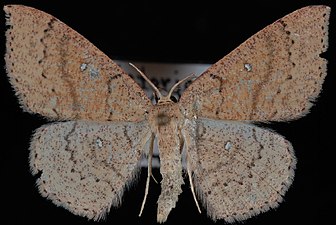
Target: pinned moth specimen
(106,123)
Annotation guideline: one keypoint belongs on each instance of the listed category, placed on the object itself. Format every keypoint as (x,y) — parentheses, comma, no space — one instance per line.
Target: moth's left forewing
(273,76)
(59,74)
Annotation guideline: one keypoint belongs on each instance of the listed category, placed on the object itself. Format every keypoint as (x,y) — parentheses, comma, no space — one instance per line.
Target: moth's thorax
(164,114)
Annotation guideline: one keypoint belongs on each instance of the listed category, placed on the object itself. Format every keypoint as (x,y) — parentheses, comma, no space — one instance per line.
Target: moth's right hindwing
(239,170)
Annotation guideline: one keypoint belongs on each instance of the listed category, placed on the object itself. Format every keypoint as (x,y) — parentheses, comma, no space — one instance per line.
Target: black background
(172,32)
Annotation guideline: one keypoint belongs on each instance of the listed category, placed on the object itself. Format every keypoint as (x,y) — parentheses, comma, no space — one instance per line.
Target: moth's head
(162,99)
(173,98)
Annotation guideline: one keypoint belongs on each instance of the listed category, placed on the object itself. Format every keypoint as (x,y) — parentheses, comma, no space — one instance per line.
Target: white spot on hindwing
(99,143)
(228,146)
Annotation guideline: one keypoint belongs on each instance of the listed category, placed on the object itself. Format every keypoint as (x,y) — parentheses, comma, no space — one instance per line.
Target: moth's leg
(149,172)
(189,144)
(192,186)
(154,179)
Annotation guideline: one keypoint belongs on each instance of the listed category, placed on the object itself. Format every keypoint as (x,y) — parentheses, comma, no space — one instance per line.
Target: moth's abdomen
(170,169)
(165,121)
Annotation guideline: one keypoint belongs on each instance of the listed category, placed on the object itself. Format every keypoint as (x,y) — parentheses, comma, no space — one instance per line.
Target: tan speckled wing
(59,74)
(85,166)
(273,76)
(239,170)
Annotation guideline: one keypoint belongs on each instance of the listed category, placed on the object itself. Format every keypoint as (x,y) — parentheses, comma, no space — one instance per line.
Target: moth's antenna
(180,82)
(158,93)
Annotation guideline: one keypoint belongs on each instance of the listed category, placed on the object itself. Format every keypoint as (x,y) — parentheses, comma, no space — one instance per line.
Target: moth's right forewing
(273,76)
(59,74)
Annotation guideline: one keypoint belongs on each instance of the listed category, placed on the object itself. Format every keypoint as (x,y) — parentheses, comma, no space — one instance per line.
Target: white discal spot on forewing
(248,67)
(83,66)
(99,143)
(228,146)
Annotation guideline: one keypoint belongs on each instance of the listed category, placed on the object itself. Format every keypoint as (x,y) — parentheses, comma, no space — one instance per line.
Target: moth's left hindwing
(85,166)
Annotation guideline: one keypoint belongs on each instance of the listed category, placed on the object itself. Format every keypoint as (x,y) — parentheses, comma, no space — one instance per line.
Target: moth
(104,123)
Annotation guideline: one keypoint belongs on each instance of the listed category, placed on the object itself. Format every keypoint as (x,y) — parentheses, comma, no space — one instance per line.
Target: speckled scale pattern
(59,74)
(244,179)
(273,76)
(85,166)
